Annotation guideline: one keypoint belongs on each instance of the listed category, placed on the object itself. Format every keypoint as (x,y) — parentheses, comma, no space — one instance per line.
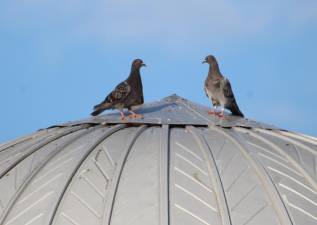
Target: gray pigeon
(127,94)
(218,90)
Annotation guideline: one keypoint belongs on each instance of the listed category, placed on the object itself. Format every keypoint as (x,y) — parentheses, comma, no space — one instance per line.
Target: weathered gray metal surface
(159,174)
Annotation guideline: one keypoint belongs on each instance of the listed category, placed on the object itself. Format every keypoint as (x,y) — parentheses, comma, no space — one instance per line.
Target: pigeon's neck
(135,78)
(214,71)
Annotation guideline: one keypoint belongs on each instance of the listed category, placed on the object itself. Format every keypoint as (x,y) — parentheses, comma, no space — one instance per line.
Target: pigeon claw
(211,112)
(135,116)
(123,118)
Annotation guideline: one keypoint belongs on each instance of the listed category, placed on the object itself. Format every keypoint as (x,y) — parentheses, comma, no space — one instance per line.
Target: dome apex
(173,110)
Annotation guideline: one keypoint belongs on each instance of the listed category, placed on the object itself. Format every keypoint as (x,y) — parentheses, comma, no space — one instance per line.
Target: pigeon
(218,90)
(126,94)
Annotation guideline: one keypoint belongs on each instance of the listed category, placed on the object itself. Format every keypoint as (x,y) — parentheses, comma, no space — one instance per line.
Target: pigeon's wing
(120,93)
(231,103)
(227,91)
(226,88)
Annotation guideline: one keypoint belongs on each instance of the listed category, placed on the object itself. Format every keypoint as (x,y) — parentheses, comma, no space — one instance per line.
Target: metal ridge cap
(172,110)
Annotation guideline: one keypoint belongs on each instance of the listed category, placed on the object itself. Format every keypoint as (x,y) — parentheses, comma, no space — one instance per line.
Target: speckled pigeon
(218,90)
(127,94)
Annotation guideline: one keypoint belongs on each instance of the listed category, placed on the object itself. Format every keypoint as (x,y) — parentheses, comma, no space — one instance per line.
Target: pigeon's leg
(213,111)
(122,115)
(134,115)
(222,114)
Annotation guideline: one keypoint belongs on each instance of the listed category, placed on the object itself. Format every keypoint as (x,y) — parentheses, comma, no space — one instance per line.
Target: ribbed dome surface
(177,166)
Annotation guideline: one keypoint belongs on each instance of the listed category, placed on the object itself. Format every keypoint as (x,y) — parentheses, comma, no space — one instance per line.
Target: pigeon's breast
(212,87)
(214,91)
(135,98)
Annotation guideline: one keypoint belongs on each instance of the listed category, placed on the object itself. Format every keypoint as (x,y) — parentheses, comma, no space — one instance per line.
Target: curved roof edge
(173,110)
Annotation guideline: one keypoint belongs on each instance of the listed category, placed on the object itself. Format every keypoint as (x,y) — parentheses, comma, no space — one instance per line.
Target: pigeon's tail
(97,112)
(100,108)
(234,108)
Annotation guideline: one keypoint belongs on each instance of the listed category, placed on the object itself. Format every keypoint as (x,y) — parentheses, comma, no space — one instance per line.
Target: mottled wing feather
(120,93)
(227,90)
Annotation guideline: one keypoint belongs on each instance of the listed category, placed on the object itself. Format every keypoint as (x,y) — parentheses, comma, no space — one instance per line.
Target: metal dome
(177,166)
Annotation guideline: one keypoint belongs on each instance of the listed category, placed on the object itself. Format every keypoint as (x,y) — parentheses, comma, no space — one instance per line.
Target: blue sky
(60,57)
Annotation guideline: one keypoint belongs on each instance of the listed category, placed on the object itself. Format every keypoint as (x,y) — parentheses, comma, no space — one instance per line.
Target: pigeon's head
(210,59)
(137,64)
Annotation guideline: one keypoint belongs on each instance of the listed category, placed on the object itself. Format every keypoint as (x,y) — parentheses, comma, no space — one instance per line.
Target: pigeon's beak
(143,64)
(204,61)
